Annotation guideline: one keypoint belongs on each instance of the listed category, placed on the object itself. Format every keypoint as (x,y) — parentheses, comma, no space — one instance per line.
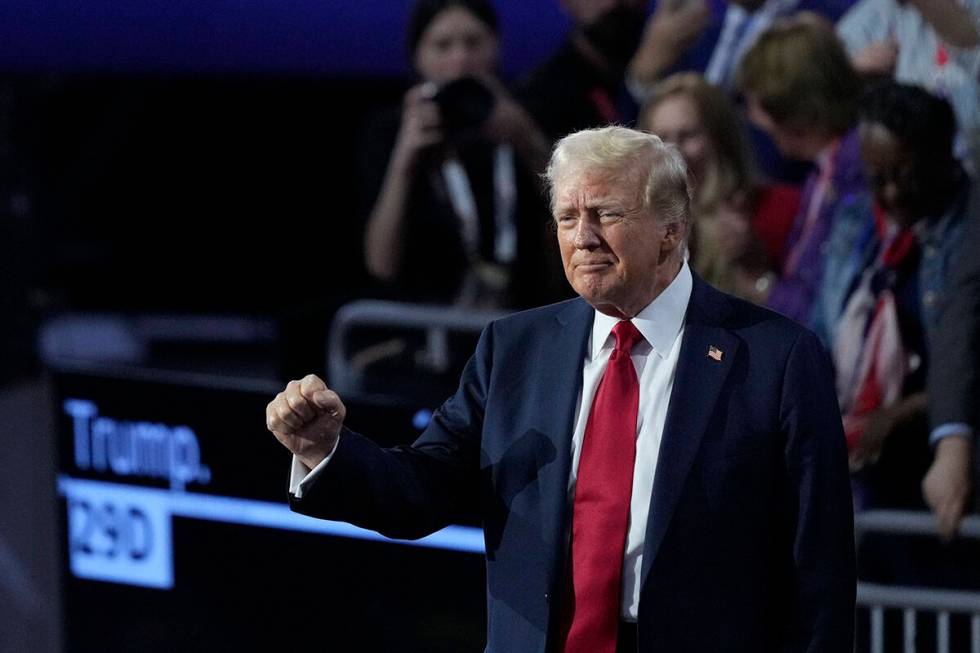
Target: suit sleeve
(954,372)
(411,491)
(819,509)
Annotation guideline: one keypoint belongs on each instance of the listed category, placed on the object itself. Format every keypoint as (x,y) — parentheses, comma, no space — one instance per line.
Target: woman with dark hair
(740,225)
(457,216)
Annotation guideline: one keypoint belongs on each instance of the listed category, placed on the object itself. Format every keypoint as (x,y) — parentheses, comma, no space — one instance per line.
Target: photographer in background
(458,216)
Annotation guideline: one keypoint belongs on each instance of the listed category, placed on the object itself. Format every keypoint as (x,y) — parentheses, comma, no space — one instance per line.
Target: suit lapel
(562,353)
(698,383)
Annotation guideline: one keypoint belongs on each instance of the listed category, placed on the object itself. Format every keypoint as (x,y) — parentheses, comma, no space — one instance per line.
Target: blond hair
(729,169)
(800,74)
(615,149)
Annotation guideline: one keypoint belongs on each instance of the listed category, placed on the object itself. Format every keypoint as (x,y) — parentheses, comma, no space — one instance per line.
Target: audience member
(582,85)
(459,164)
(931,43)
(802,90)
(954,384)
(740,224)
(687,35)
(899,269)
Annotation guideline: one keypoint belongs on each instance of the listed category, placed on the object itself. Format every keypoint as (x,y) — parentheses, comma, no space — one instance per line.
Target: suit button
(547,597)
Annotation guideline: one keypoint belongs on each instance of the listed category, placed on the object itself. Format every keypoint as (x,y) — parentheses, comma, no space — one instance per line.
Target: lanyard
(504,204)
(813,209)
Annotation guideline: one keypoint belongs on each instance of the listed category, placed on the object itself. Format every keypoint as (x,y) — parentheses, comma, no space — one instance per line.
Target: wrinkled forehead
(574,182)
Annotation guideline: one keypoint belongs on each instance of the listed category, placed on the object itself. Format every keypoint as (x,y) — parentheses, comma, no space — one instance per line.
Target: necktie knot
(627,335)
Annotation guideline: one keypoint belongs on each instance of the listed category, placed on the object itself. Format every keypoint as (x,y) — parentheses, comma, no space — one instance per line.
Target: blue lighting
(422,418)
(122,533)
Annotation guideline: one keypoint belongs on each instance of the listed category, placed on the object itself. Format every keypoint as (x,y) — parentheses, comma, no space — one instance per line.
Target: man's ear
(675,234)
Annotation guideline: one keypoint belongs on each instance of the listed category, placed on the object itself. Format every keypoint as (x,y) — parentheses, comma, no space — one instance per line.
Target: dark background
(199,157)
(239,588)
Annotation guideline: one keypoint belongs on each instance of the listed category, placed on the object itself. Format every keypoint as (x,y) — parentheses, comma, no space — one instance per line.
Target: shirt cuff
(302,478)
(950,429)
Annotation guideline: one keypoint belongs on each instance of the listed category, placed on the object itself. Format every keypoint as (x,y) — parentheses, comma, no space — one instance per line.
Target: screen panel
(178,536)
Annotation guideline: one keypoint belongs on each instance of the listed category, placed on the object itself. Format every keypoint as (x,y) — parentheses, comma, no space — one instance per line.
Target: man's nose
(585,235)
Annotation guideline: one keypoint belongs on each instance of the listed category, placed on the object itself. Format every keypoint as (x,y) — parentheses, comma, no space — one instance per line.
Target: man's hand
(306,417)
(946,486)
(669,32)
(955,24)
(878,58)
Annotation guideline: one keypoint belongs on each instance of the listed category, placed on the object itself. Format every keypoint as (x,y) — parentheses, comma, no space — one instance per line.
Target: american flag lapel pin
(715,354)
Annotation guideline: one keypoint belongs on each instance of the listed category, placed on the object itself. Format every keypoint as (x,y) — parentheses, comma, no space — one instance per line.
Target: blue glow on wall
(336,37)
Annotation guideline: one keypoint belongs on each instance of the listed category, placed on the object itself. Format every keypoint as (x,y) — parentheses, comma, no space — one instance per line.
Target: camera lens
(465,104)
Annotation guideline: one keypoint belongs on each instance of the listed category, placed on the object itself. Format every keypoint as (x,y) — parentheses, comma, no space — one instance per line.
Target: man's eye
(609,215)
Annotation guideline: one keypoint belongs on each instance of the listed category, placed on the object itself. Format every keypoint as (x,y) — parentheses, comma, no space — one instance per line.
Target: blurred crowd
(832,147)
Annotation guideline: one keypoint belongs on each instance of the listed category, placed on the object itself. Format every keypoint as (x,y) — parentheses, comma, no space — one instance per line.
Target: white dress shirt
(655,358)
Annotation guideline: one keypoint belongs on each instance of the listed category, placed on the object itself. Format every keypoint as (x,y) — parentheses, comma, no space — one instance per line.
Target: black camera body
(464,105)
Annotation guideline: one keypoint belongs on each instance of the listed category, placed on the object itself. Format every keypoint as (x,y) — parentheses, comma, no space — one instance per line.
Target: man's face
(891,170)
(793,143)
(616,254)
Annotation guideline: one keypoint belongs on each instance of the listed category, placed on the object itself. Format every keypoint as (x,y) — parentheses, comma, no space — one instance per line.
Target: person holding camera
(458,214)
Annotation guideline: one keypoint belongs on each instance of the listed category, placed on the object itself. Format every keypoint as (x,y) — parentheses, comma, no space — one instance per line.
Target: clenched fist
(306,417)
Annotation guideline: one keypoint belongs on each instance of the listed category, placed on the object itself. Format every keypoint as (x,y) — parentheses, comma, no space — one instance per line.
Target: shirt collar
(659,322)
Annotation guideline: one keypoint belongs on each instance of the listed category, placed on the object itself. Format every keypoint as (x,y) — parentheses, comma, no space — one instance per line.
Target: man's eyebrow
(605,203)
(593,203)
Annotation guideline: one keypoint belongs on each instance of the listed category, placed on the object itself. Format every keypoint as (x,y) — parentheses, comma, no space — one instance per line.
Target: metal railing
(914,600)
(434,320)
(100,337)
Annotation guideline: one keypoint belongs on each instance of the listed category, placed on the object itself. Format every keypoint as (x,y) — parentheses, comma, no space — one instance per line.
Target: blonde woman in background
(740,224)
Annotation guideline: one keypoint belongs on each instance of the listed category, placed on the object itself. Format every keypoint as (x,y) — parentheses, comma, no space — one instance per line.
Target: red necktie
(600,514)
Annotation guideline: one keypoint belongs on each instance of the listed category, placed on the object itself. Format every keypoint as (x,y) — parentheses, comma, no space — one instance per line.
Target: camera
(464,104)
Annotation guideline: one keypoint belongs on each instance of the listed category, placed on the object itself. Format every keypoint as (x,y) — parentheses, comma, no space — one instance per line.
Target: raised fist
(306,417)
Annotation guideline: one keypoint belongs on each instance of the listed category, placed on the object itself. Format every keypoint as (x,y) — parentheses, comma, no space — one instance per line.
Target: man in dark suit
(659,466)
(954,384)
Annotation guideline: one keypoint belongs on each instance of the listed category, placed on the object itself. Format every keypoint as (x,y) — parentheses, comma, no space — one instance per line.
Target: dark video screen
(178,536)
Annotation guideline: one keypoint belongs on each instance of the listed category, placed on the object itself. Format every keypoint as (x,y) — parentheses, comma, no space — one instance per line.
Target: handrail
(918,598)
(909,522)
(383,313)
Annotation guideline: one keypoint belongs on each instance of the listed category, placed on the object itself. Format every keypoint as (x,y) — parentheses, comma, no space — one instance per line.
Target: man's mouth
(595,266)
(592,266)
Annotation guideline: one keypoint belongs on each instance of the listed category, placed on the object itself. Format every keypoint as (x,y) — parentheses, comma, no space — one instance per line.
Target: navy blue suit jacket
(749,544)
